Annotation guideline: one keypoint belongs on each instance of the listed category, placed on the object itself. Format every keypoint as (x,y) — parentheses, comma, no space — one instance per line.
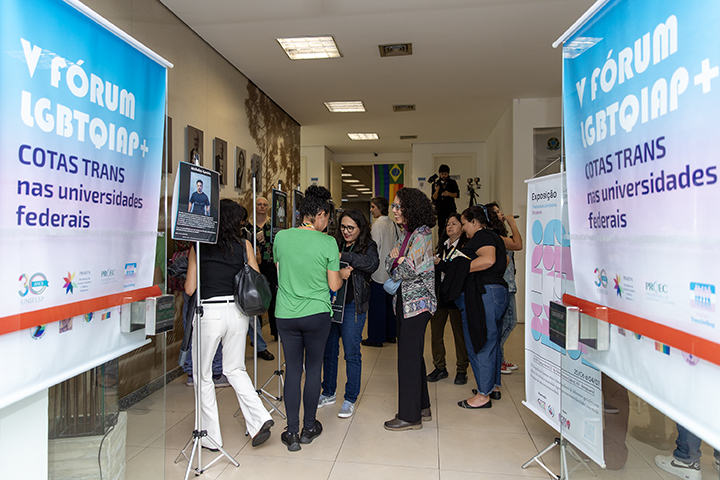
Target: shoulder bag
(252,290)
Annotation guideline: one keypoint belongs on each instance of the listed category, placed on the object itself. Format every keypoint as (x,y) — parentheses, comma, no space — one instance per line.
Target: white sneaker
(347,409)
(326,400)
(688,471)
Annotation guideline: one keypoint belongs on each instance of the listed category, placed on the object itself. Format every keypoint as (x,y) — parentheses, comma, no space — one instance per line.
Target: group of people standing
(463,279)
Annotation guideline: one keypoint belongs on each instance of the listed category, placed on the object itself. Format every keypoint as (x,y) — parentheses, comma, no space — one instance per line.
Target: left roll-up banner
(82,111)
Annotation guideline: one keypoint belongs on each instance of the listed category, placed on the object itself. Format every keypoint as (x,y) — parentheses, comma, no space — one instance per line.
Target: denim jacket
(417,273)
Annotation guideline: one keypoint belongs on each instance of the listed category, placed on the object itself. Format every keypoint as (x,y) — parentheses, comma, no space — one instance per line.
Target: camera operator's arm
(451,189)
(436,191)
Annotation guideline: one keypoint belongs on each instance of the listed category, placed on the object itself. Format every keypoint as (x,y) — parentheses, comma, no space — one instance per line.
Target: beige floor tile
(363,471)
(375,409)
(496,453)
(371,443)
(503,417)
(144,426)
(455,475)
(385,385)
(149,464)
(264,467)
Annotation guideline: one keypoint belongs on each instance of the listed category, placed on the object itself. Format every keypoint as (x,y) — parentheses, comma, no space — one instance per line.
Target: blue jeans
(350,330)
(381,316)
(509,321)
(188,313)
(688,446)
(262,345)
(487,362)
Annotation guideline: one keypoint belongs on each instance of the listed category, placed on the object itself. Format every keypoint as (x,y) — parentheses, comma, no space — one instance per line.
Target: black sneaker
(461,378)
(307,436)
(292,440)
(437,374)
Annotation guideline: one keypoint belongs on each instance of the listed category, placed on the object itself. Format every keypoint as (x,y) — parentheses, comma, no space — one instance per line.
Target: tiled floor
(457,444)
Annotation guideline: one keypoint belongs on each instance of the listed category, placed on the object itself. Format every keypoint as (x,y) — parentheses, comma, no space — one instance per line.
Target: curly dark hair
(476,212)
(363,239)
(417,209)
(316,200)
(232,219)
(444,236)
(497,225)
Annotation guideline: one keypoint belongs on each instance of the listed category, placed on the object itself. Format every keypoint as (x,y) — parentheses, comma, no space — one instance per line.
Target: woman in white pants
(221,320)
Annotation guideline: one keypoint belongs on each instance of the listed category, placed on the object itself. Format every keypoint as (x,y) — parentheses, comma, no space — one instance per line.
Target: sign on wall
(81,136)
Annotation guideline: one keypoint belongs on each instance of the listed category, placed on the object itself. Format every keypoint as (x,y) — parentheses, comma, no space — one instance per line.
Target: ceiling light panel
(363,136)
(351,180)
(345,107)
(346,174)
(306,48)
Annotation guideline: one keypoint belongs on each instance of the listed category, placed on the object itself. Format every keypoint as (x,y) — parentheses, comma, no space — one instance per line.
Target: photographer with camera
(445,191)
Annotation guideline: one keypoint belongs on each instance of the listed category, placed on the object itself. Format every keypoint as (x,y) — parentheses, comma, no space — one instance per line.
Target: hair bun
(320,192)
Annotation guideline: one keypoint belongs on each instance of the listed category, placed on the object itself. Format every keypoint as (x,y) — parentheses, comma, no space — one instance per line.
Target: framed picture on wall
(195,139)
(256,169)
(240,168)
(167,146)
(220,159)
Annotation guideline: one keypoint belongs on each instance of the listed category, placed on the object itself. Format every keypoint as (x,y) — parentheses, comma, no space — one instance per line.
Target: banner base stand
(565,449)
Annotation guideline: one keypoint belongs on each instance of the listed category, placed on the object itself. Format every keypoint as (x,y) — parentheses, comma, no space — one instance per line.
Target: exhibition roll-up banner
(82,110)
(641,96)
(561,387)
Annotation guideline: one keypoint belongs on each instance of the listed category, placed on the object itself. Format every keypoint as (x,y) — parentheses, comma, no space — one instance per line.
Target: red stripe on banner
(683,341)
(22,321)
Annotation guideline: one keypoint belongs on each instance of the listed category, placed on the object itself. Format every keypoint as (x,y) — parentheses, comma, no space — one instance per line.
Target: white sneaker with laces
(688,471)
(326,400)
(347,409)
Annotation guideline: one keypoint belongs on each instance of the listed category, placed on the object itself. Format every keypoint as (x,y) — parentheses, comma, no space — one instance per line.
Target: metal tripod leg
(266,396)
(538,459)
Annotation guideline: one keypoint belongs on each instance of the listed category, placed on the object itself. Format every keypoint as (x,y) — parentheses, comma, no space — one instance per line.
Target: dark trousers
(381,324)
(303,337)
(270,272)
(437,329)
(412,376)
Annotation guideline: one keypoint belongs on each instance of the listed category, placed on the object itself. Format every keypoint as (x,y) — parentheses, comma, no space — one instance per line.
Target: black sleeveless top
(218,270)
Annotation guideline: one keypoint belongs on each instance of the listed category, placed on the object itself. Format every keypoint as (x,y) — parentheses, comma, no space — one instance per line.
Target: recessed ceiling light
(364,189)
(352,195)
(363,136)
(344,199)
(344,107)
(351,180)
(306,48)
(346,174)
(359,185)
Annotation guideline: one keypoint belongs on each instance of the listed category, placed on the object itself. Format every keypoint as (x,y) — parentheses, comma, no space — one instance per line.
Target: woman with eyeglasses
(482,305)
(359,251)
(411,261)
(308,268)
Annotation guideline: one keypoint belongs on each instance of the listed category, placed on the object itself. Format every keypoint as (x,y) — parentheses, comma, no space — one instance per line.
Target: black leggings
(303,337)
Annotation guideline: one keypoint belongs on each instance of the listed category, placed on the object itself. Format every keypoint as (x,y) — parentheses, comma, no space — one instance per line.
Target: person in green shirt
(308,269)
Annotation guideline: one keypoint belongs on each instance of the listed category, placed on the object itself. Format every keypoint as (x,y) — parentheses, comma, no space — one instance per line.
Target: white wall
(318,160)
(24,438)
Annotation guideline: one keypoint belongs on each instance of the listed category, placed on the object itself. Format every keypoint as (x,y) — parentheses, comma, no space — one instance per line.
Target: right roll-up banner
(641,105)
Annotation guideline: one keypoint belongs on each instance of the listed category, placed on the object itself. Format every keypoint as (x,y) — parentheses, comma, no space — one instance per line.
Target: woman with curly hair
(222,321)
(411,261)
(359,251)
(308,263)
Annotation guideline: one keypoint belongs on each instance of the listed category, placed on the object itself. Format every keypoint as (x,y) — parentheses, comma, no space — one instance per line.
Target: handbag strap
(402,249)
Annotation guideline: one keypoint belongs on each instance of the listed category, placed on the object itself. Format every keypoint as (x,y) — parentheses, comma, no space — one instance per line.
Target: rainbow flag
(388,180)
(105,316)
(661,347)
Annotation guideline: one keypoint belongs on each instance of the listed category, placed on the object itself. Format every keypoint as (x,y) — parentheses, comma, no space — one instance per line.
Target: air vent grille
(395,50)
(403,108)
(408,137)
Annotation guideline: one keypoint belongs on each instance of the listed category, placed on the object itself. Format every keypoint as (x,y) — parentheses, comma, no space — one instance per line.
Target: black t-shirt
(217,273)
(446,204)
(482,238)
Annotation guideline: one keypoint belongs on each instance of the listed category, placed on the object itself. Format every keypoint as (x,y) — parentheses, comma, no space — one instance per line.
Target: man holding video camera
(445,191)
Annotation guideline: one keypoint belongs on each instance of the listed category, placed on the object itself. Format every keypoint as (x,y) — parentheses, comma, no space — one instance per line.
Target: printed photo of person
(195,140)
(256,169)
(220,164)
(199,202)
(240,168)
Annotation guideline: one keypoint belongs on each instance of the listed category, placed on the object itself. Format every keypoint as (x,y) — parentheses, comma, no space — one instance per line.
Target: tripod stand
(266,396)
(198,434)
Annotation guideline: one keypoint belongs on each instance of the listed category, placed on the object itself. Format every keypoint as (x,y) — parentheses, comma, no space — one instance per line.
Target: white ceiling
(470,59)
